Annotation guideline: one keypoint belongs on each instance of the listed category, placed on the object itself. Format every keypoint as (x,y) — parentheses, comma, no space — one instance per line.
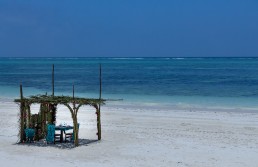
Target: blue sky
(128,28)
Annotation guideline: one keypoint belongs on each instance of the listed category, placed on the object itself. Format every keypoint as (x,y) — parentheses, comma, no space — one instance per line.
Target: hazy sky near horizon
(128,28)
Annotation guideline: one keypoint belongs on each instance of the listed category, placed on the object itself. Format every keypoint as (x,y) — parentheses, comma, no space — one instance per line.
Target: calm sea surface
(181,80)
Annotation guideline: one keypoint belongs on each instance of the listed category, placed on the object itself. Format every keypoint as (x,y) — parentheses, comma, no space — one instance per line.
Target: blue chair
(50,133)
(30,134)
(52,137)
(70,136)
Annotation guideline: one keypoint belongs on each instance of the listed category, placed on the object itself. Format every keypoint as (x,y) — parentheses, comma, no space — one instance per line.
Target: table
(62,129)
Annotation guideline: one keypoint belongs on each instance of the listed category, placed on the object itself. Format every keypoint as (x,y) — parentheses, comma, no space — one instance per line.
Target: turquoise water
(198,81)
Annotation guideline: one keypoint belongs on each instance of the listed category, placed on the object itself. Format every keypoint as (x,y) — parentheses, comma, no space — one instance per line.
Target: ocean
(227,82)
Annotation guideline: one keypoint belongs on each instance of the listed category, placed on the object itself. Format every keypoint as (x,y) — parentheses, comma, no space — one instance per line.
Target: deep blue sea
(208,81)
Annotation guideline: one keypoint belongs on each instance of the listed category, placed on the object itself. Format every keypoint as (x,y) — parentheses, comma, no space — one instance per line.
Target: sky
(128,28)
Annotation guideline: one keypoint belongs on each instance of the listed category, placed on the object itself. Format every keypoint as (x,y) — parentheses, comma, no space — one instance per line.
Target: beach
(141,135)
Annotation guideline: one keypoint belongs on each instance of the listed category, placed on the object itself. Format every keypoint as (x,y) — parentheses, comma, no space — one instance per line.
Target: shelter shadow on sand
(67,145)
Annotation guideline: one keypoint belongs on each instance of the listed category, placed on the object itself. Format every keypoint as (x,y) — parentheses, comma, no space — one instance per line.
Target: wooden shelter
(48,108)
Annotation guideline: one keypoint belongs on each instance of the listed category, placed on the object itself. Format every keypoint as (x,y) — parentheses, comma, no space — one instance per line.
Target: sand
(141,136)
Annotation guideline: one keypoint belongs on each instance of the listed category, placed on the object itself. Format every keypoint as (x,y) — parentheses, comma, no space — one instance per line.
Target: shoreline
(180,106)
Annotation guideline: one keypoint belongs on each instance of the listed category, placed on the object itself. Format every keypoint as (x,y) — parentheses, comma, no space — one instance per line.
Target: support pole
(28,116)
(74,107)
(21,115)
(98,112)
(73,92)
(53,79)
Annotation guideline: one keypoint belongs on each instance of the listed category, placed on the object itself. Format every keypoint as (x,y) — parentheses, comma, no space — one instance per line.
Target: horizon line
(132,57)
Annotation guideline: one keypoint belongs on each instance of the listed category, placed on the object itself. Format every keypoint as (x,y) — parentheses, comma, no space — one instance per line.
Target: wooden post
(75,127)
(53,83)
(73,92)
(43,108)
(74,107)
(74,112)
(53,111)
(28,114)
(21,115)
(98,112)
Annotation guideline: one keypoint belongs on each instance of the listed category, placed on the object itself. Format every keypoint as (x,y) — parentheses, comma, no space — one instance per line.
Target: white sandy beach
(142,136)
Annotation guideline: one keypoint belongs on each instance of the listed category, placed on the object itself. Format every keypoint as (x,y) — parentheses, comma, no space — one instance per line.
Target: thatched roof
(60,100)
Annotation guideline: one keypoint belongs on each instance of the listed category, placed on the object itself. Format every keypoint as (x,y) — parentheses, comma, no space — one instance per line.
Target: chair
(52,137)
(50,133)
(57,137)
(30,134)
(70,136)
